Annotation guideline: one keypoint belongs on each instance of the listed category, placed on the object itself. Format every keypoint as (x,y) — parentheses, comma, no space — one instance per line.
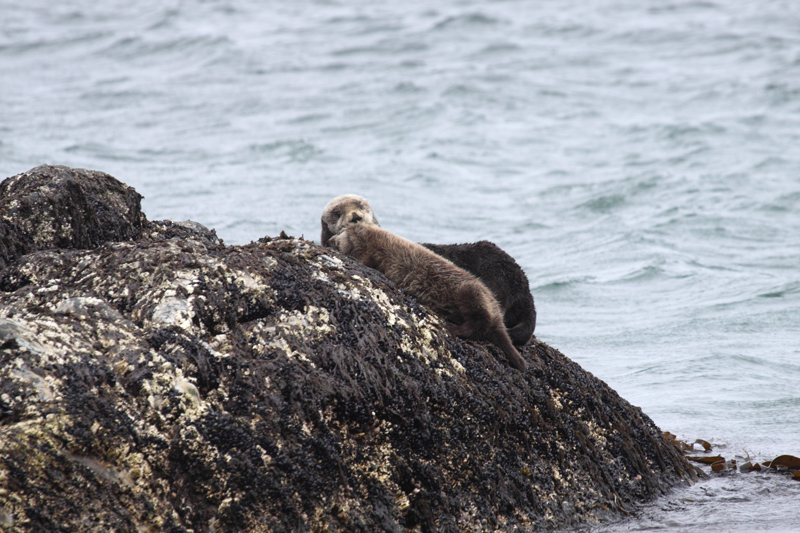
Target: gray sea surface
(640,159)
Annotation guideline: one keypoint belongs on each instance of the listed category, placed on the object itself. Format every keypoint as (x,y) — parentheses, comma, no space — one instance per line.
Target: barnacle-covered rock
(162,381)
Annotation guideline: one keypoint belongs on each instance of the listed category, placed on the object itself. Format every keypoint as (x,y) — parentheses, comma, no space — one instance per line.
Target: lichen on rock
(153,378)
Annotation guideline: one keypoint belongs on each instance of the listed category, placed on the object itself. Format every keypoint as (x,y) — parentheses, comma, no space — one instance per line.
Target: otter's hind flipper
(521,330)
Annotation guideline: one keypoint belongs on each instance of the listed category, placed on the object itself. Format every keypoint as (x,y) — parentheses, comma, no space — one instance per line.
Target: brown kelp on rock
(152,378)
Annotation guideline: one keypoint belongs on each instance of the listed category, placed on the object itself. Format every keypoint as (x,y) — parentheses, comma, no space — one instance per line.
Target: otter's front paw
(335,242)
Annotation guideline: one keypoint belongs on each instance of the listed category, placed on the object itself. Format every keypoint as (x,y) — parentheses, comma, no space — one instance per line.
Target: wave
(467,21)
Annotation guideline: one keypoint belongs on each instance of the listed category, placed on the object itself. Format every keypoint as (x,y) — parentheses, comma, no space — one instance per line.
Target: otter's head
(343,211)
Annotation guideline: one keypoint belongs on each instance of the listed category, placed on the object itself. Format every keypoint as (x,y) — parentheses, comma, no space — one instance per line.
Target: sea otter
(484,260)
(471,311)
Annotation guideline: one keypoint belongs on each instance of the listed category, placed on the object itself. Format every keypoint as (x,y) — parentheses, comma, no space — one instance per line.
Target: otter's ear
(375,219)
(326,234)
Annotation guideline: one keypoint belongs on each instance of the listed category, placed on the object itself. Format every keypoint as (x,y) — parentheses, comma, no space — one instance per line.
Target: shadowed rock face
(172,383)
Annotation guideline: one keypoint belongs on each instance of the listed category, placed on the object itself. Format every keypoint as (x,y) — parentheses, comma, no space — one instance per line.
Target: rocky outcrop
(154,379)
(61,207)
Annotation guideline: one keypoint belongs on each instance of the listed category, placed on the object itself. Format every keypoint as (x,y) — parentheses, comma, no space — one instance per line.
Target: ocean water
(639,159)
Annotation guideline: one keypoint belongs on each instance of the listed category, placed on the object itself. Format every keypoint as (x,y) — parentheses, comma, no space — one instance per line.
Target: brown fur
(501,275)
(466,303)
(484,260)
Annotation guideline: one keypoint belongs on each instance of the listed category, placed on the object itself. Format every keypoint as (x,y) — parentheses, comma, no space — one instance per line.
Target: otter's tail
(502,340)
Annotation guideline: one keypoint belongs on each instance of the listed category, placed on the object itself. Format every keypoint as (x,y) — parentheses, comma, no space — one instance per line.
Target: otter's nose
(356,218)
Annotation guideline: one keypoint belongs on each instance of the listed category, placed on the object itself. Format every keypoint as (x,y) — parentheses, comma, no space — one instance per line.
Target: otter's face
(343,211)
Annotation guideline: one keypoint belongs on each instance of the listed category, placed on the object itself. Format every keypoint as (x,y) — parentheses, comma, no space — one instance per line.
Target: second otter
(469,307)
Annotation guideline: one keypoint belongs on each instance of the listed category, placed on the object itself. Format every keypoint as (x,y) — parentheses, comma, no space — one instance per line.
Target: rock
(162,381)
(61,207)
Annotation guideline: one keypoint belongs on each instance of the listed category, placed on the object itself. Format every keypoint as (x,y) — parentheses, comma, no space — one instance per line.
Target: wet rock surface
(154,379)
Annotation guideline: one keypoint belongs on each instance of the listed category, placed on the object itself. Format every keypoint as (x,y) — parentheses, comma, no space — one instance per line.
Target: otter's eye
(337,213)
